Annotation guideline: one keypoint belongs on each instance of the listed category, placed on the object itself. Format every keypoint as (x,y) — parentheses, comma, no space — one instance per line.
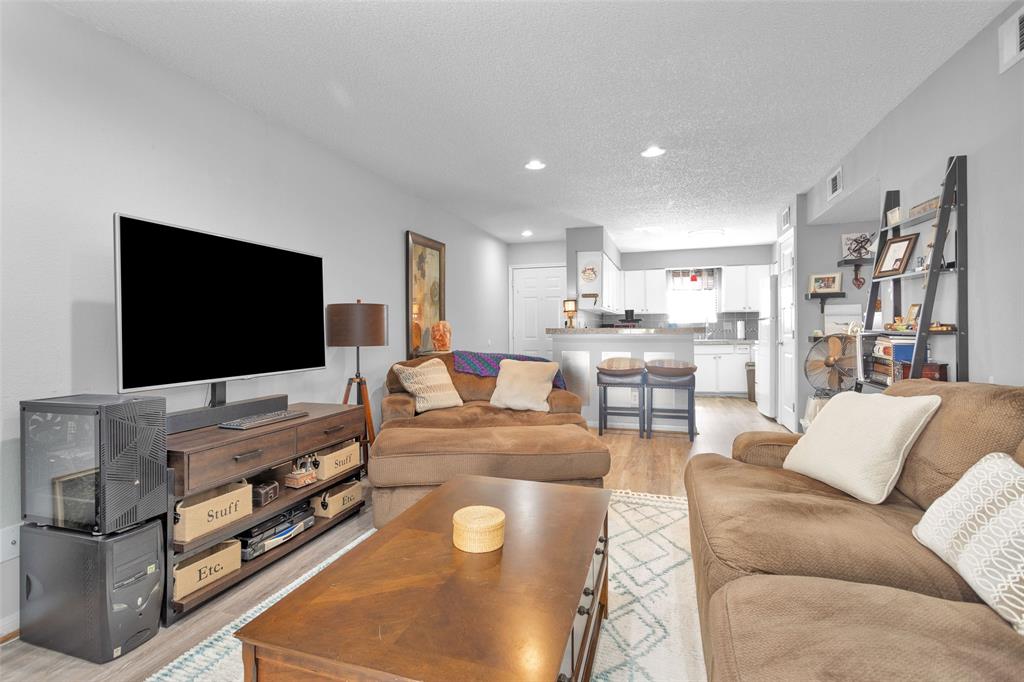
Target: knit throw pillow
(430,384)
(977,527)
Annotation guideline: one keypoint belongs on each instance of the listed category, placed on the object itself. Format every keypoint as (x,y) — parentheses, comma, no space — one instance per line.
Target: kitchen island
(579,350)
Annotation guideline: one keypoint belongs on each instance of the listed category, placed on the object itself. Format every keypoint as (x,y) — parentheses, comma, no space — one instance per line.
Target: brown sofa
(414,453)
(798,580)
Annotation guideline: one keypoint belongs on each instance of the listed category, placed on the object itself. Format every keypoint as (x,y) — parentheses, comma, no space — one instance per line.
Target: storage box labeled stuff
(338,462)
(206,567)
(337,499)
(207,511)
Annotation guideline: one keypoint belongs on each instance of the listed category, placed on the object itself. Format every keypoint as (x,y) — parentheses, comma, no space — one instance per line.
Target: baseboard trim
(9,628)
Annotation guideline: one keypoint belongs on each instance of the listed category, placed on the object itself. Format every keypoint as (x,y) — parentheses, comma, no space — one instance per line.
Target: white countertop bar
(624,331)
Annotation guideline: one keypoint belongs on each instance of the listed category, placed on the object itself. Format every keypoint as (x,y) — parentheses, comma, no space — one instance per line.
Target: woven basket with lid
(478,529)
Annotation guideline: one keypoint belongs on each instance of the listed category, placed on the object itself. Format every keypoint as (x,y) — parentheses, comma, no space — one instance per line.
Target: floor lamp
(355,325)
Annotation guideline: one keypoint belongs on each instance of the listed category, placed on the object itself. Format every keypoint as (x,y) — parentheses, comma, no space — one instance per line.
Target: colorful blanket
(487,364)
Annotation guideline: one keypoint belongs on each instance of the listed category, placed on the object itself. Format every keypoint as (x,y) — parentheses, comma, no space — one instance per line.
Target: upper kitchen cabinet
(597,274)
(741,286)
(645,291)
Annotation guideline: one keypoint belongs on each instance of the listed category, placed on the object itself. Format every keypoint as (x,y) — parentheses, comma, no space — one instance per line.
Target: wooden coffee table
(405,604)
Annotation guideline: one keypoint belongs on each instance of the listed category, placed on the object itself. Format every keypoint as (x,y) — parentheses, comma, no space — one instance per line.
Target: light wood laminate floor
(654,466)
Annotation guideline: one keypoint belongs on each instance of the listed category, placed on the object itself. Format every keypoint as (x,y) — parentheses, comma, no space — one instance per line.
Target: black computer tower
(93,463)
(96,597)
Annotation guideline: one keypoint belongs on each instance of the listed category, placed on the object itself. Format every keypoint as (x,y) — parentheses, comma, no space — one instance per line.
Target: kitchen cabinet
(758,278)
(740,288)
(635,291)
(603,278)
(655,285)
(644,291)
(722,368)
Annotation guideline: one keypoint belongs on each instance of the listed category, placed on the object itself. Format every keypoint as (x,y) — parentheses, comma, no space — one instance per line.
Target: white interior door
(787,335)
(537,295)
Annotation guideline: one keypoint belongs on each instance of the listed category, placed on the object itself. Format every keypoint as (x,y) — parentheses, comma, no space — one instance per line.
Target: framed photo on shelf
(892,216)
(895,256)
(829,283)
(913,312)
(857,245)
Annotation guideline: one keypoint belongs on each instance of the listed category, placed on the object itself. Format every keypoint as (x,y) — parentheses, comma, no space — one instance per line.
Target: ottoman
(406,464)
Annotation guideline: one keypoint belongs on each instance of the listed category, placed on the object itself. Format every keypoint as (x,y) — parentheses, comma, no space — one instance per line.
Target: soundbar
(199,417)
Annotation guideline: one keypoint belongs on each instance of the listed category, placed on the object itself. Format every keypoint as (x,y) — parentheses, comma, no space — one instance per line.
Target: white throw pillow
(430,384)
(524,385)
(858,442)
(977,527)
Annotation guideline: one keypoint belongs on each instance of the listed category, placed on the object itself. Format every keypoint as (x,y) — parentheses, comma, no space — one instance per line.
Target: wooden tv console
(209,457)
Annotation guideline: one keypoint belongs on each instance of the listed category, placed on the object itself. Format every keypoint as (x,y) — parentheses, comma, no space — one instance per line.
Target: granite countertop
(621,331)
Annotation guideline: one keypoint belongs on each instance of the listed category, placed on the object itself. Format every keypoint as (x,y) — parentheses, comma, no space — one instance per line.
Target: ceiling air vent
(834,184)
(1011,41)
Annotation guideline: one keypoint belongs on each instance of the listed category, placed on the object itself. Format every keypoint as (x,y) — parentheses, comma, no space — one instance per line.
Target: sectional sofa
(415,453)
(797,580)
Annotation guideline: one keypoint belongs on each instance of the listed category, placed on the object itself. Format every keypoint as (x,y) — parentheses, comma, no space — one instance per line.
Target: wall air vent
(787,221)
(834,184)
(1011,41)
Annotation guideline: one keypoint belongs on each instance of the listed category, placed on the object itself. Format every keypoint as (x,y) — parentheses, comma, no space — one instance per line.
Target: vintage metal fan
(831,364)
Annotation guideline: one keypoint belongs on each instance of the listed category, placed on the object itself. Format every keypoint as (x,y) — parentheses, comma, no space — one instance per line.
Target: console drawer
(348,424)
(235,461)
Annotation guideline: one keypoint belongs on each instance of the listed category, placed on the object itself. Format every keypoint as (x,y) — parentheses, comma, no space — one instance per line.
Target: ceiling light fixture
(527,233)
(652,151)
(535,164)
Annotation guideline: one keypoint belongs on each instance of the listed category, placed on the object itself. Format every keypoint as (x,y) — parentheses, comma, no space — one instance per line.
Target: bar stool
(676,375)
(620,372)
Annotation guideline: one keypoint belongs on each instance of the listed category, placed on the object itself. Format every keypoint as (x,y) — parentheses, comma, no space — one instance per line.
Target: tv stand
(219,410)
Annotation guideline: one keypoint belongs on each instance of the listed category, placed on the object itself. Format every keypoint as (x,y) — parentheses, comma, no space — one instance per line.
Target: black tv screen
(194,307)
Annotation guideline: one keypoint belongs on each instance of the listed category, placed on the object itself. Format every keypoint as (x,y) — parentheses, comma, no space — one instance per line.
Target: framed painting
(424,279)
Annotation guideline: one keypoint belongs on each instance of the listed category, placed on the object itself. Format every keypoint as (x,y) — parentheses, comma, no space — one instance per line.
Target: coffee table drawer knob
(599,551)
(587,592)
(602,539)
(583,611)
(562,677)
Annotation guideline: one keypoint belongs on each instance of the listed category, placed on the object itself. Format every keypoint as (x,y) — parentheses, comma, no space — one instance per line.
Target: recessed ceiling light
(652,151)
(535,164)
(527,233)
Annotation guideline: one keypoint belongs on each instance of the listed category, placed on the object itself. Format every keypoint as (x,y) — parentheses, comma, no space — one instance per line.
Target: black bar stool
(676,375)
(620,372)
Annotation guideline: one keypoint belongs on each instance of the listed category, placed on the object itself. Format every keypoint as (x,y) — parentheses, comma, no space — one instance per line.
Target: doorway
(787,414)
(537,295)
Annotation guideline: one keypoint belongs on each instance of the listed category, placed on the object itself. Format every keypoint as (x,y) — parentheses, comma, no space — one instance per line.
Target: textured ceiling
(754,101)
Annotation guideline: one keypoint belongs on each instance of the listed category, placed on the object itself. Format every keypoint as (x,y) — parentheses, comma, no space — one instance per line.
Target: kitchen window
(692,296)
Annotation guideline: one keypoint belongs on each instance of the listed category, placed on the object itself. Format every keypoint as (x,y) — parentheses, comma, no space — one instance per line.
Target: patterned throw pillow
(977,527)
(430,384)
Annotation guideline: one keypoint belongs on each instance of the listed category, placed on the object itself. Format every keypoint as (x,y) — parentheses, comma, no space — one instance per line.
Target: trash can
(751,396)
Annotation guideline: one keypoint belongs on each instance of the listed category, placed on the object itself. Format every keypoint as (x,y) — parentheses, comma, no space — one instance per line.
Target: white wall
(537,253)
(965,107)
(758,254)
(91,126)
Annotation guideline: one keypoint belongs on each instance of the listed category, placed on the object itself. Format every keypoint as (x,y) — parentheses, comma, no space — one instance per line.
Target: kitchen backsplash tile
(725,328)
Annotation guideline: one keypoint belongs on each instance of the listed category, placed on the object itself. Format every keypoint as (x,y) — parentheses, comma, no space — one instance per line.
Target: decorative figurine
(441,335)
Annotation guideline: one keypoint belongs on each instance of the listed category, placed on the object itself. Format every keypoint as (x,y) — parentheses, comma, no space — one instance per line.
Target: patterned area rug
(652,632)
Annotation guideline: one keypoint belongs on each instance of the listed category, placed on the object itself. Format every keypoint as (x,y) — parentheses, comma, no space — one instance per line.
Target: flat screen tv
(195,307)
